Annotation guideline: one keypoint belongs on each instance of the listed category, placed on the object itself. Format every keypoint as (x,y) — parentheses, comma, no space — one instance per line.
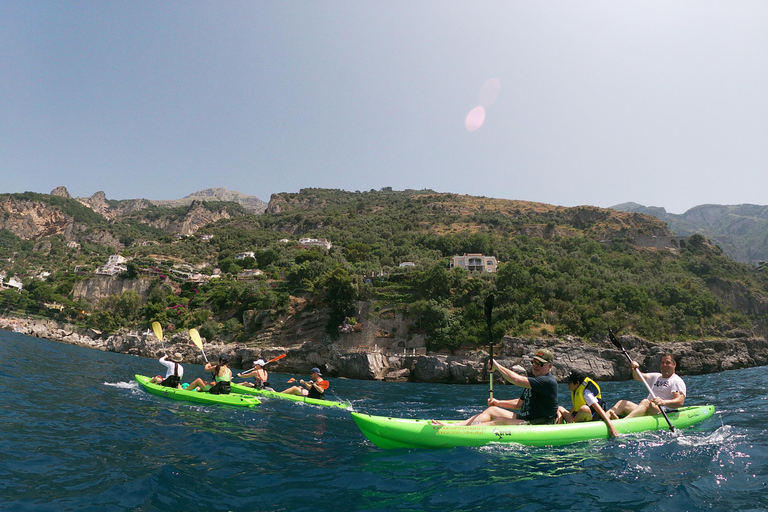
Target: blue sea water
(79,434)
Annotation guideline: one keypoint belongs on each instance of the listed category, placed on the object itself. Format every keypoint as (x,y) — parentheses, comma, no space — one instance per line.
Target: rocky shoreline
(601,360)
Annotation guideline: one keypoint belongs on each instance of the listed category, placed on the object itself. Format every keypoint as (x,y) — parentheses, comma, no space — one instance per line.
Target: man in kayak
(259,374)
(173,374)
(536,405)
(315,388)
(668,387)
(587,402)
(222,378)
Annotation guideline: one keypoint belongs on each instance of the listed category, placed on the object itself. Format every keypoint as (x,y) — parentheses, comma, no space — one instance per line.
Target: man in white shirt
(668,387)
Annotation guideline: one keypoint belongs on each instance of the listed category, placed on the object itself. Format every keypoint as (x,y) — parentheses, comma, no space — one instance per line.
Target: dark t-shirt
(540,401)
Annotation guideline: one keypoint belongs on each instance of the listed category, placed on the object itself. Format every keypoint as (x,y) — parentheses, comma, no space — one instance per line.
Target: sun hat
(544,356)
(176,357)
(259,362)
(315,370)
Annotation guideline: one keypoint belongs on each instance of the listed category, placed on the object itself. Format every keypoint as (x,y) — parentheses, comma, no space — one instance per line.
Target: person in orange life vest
(173,374)
(315,388)
(587,402)
(259,374)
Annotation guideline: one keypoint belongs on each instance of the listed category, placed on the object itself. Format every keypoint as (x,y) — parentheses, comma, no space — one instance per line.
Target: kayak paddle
(197,341)
(270,361)
(639,374)
(488,311)
(158,330)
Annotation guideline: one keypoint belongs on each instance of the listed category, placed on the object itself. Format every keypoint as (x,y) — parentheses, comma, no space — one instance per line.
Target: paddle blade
(614,340)
(276,358)
(488,308)
(196,338)
(158,330)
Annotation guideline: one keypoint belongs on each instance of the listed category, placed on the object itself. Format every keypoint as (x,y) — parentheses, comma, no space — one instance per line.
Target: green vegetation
(562,271)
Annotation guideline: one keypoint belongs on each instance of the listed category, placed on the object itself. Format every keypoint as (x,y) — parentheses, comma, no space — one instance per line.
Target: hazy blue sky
(664,103)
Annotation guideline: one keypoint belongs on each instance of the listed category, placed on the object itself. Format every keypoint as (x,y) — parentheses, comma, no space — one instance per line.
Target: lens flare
(489,92)
(475,119)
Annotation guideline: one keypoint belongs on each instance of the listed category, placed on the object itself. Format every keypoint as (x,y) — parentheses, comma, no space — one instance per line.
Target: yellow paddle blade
(158,330)
(196,338)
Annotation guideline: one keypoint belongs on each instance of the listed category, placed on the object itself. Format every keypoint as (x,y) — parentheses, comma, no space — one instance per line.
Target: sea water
(77,433)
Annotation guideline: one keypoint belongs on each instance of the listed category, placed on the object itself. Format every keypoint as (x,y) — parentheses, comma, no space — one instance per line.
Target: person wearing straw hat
(259,374)
(174,371)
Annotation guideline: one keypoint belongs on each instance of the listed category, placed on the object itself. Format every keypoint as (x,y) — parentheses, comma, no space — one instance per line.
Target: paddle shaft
(642,377)
(265,364)
(488,319)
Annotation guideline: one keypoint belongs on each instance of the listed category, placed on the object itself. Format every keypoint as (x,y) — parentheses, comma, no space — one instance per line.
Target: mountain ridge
(740,230)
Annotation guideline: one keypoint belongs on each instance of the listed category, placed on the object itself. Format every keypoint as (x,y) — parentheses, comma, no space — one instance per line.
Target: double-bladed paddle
(270,361)
(639,374)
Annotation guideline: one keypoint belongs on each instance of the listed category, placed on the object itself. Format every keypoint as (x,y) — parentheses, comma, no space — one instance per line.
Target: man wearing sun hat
(174,371)
(536,405)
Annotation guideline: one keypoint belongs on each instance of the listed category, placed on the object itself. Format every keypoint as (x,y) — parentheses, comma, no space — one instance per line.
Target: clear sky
(663,103)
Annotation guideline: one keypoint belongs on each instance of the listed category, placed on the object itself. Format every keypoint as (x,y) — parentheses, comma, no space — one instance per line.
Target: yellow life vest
(577,395)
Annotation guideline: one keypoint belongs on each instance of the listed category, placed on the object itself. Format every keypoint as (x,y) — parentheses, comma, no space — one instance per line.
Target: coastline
(600,360)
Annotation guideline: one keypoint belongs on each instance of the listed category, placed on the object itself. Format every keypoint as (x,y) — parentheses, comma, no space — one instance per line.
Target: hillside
(740,230)
(380,264)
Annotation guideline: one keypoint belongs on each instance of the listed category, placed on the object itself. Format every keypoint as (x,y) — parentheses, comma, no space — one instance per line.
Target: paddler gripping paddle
(270,361)
(158,330)
(197,341)
(639,374)
(488,312)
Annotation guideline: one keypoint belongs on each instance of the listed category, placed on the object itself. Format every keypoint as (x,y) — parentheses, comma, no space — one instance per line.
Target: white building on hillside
(475,262)
(314,242)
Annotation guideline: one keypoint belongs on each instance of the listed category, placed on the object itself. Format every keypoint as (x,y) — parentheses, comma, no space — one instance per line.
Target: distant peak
(61,192)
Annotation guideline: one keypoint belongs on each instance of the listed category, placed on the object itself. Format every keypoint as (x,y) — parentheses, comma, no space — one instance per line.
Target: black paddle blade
(488,308)
(614,340)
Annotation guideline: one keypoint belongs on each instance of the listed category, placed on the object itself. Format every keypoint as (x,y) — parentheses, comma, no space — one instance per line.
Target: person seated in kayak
(173,374)
(259,374)
(587,402)
(536,405)
(315,388)
(222,377)
(668,387)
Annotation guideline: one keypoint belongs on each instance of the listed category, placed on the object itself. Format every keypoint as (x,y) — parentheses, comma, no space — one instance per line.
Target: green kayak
(406,433)
(200,397)
(245,390)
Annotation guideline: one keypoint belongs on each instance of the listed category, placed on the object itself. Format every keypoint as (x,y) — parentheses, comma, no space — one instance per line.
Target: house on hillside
(250,273)
(307,243)
(115,264)
(475,262)
(11,283)
(243,255)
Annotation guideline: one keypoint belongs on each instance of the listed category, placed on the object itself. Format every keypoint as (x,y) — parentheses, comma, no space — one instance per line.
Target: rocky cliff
(603,361)
(32,220)
(98,287)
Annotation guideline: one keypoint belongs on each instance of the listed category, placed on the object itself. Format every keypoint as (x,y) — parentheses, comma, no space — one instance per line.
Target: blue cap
(315,370)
